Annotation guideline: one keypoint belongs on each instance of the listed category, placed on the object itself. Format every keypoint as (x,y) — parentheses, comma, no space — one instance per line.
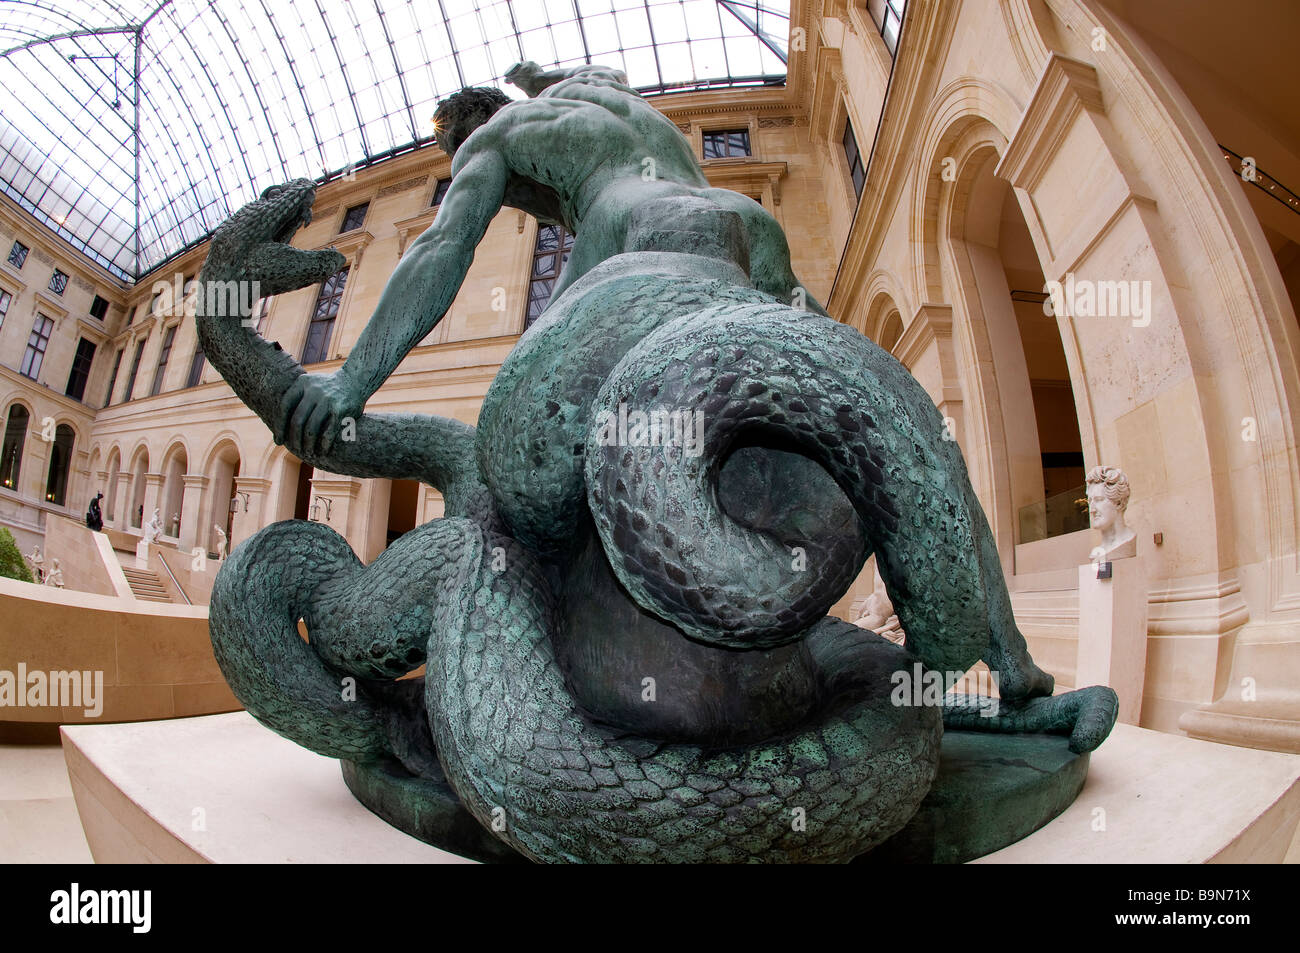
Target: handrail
(177,582)
(1250,172)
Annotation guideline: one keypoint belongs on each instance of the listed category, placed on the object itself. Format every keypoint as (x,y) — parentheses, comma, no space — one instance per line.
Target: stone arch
(882,292)
(1029,30)
(217,444)
(966,103)
(890,331)
(15,431)
(174,468)
(1004,403)
(222,464)
(137,468)
(113,467)
(58,464)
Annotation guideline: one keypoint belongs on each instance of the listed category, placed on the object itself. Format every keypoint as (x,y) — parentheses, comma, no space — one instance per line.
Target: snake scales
(486,596)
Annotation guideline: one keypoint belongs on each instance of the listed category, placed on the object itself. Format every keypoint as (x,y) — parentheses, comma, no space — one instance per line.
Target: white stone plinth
(1158,798)
(142,555)
(222,789)
(142,789)
(1113,633)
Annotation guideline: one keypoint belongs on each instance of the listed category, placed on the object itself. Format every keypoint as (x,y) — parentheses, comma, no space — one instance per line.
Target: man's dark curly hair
(461,113)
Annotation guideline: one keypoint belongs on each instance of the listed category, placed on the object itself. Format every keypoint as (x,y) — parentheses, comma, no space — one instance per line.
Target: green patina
(627,651)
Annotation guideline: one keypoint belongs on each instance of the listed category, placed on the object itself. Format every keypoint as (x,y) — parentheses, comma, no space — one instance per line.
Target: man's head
(461,113)
(1108,493)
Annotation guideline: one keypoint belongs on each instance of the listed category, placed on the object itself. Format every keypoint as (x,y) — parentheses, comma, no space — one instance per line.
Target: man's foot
(1021,680)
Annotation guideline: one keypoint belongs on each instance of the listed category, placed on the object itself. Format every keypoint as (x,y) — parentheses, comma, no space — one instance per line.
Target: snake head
(253,244)
(284,209)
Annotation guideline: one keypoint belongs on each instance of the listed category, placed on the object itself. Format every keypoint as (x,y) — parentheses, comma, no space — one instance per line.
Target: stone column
(343,516)
(122,503)
(36,460)
(248,521)
(153,484)
(192,516)
(431,505)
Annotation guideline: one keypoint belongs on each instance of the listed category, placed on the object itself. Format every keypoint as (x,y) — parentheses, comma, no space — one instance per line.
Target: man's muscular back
(618,153)
(586,151)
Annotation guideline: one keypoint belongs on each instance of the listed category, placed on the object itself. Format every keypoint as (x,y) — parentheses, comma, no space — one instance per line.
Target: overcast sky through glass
(236,95)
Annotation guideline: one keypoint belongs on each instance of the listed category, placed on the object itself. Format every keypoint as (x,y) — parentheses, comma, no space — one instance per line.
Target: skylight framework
(132,128)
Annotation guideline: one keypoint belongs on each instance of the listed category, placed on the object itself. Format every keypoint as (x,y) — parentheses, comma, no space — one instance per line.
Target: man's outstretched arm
(532,79)
(421,289)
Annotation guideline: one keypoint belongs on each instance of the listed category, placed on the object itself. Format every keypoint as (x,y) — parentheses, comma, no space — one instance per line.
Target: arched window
(11,451)
(56,483)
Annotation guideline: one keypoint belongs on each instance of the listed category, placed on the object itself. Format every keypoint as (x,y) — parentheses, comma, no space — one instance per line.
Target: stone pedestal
(1149,798)
(1113,632)
(142,555)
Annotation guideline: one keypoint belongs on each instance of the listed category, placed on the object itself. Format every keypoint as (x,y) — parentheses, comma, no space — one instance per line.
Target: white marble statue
(223,542)
(153,529)
(877,612)
(55,577)
(1108,493)
(37,562)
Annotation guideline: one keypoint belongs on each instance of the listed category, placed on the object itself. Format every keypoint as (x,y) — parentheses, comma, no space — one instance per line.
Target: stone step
(145,584)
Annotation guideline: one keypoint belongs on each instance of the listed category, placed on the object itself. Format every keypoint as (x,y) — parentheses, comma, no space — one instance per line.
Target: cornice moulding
(1065,87)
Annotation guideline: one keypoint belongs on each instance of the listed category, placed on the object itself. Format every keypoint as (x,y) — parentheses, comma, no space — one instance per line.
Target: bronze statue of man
(627,648)
(585,151)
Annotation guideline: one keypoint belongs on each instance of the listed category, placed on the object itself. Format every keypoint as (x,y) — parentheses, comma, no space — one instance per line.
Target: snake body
(491,597)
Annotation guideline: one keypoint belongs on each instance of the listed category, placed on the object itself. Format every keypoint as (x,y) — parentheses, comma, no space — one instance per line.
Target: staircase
(145,584)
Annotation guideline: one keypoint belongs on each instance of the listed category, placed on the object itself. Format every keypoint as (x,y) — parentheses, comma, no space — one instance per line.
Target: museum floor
(39,821)
(38,818)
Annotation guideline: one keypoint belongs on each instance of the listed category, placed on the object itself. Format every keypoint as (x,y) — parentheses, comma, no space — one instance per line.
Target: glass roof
(133,128)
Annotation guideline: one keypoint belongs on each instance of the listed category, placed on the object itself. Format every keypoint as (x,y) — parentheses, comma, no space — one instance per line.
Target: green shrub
(12,564)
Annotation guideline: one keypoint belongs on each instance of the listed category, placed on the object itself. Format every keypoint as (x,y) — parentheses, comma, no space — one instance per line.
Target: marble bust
(1108,493)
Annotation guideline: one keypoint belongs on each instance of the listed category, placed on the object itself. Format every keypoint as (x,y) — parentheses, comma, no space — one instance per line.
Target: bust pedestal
(1113,631)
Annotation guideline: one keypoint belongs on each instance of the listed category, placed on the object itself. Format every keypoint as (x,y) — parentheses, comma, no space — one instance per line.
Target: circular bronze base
(992,790)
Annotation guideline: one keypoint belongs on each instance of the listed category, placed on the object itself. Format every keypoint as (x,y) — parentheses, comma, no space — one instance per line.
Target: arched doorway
(137,515)
(175,465)
(1056,419)
(223,470)
(1016,363)
(403,497)
(302,494)
(56,479)
(11,450)
(110,493)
